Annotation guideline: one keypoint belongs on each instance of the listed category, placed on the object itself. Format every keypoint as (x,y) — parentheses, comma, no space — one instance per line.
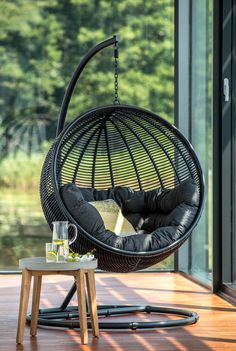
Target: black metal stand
(64,315)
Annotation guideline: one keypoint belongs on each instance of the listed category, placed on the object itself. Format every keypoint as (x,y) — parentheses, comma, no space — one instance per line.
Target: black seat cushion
(159,216)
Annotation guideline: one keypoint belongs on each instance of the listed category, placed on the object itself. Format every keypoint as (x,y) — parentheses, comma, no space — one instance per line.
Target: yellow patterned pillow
(113,218)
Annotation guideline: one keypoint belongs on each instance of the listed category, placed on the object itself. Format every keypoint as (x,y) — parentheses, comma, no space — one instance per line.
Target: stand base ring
(64,318)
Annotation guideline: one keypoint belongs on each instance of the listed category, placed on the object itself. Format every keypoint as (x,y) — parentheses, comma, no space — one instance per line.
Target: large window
(227,247)
(201,128)
(41,44)
(195,120)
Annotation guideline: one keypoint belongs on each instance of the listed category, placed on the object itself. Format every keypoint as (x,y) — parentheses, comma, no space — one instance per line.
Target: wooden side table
(37,267)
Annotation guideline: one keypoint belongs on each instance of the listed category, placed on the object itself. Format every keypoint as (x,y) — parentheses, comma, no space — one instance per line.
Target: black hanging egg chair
(111,146)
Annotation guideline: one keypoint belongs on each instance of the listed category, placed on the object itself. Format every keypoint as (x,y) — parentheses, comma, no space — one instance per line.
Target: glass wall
(228,173)
(195,121)
(201,128)
(41,44)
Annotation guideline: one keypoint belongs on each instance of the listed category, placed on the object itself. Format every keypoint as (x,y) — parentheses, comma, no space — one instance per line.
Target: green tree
(42,43)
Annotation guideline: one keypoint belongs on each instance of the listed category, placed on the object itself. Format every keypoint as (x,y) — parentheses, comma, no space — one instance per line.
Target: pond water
(24,230)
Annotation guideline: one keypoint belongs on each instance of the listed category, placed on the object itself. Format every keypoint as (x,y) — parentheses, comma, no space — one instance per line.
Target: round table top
(40,264)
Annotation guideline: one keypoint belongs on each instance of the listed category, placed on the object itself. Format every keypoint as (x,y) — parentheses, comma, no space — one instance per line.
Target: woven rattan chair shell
(118,145)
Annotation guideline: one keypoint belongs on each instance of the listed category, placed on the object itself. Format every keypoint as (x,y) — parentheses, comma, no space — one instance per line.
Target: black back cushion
(159,216)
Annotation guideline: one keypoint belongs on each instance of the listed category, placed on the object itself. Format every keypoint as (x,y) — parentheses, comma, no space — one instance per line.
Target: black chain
(116,56)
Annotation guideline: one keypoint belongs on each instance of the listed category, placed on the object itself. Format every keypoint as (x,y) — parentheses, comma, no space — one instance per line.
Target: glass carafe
(61,239)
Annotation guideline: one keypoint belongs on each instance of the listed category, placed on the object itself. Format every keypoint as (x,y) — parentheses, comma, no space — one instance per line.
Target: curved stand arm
(75,77)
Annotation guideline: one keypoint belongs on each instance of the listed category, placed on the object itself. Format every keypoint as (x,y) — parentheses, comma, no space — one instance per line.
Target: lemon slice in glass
(51,256)
(58,242)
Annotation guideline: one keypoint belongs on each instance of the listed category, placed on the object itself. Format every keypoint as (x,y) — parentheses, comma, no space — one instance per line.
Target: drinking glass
(51,252)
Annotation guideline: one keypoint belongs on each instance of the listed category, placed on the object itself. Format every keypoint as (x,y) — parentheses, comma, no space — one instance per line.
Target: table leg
(24,299)
(92,301)
(80,284)
(35,304)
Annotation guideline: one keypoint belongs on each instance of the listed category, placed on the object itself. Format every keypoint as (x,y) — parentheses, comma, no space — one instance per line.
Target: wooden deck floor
(215,330)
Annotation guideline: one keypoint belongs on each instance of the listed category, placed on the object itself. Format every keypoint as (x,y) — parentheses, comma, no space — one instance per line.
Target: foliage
(42,43)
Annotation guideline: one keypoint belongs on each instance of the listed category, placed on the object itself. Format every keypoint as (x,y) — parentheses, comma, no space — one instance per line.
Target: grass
(21,171)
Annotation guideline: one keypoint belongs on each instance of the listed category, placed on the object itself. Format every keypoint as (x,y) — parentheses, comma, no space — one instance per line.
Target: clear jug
(61,239)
